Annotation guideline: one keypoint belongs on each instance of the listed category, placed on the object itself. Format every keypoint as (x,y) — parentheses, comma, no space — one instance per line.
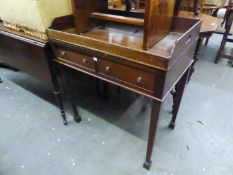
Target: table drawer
(76,58)
(126,74)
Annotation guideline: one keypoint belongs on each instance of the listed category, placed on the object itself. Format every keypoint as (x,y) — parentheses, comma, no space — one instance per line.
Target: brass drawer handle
(107,69)
(139,80)
(63,54)
(84,61)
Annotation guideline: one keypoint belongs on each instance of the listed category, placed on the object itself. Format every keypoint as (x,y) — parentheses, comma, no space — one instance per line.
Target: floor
(112,138)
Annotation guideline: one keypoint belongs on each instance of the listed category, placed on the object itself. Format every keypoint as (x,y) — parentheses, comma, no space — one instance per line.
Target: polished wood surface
(113,53)
(155,21)
(158,20)
(82,10)
(118,19)
(209,23)
(126,43)
(192,5)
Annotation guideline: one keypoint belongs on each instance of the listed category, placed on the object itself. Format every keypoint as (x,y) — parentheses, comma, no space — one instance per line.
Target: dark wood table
(117,57)
(24,52)
(31,55)
(209,23)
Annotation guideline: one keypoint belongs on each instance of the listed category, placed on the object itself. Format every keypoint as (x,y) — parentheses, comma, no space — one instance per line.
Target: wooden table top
(209,23)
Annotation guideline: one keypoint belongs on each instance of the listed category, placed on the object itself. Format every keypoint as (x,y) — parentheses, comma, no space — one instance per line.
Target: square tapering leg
(155,111)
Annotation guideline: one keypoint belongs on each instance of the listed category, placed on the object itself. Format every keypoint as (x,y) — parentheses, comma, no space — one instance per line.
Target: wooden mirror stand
(155,20)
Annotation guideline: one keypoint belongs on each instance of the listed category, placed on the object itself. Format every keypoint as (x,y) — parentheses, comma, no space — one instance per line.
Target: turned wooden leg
(68,90)
(223,43)
(207,40)
(220,50)
(177,96)
(155,111)
(195,58)
(57,93)
(105,86)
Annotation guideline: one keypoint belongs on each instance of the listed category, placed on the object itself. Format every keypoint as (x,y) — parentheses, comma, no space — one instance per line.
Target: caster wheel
(147,165)
(77,119)
(171,126)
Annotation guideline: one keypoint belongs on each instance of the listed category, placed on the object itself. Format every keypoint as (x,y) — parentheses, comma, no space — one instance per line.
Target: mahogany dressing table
(148,52)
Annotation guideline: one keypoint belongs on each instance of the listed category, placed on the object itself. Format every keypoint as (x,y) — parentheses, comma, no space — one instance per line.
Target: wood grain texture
(156,24)
(209,23)
(158,20)
(118,19)
(82,10)
(166,60)
(116,56)
(127,45)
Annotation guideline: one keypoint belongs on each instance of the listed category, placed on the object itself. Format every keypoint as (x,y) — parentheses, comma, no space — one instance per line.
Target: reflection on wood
(157,21)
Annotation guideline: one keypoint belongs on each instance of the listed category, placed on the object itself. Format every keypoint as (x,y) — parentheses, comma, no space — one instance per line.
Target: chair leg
(195,58)
(207,41)
(0,80)
(223,43)
(225,36)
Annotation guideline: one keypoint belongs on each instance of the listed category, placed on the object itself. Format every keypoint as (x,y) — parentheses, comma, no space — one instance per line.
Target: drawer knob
(84,61)
(139,80)
(107,69)
(63,53)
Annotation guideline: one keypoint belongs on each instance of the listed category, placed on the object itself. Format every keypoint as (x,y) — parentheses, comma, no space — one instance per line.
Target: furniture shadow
(126,110)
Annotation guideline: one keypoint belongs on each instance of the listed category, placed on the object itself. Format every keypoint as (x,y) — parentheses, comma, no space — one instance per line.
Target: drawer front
(127,75)
(76,58)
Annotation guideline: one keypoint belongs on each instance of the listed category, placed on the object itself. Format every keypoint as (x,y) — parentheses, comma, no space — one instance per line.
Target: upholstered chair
(32,16)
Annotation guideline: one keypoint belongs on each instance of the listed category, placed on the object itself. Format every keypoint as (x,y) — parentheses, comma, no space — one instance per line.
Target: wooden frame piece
(119,19)
(155,21)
